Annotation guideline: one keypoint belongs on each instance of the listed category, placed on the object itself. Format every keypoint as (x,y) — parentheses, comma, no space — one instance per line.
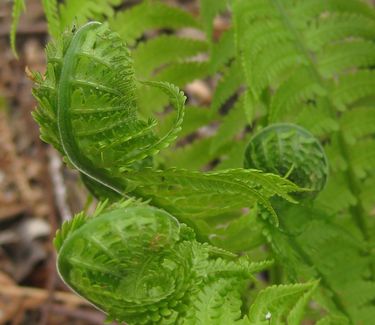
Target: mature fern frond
(163,50)
(132,23)
(52,15)
(227,86)
(358,123)
(305,248)
(18,8)
(78,12)
(222,51)
(232,124)
(266,28)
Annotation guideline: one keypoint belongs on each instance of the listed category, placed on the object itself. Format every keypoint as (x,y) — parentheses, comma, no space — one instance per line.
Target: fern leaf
(227,86)
(362,157)
(222,51)
(182,73)
(18,8)
(192,156)
(311,9)
(79,12)
(330,201)
(132,23)
(353,87)
(162,50)
(233,123)
(301,86)
(195,117)
(339,26)
(52,15)
(275,303)
(339,57)
(191,195)
(218,303)
(358,123)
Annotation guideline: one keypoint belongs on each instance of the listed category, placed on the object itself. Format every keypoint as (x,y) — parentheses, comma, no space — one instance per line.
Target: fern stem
(64,120)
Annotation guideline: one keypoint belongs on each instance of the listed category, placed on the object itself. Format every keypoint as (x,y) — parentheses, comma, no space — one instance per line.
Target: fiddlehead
(89,92)
(136,263)
(291,151)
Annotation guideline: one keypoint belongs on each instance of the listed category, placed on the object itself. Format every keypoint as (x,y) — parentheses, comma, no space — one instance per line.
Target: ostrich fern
(308,62)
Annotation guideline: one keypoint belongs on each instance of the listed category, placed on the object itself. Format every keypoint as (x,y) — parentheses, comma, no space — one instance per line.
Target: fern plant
(107,109)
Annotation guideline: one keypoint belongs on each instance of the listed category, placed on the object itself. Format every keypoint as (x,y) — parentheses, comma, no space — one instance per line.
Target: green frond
(365,315)
(300,87)
(190,195)
(209,9)
(222,51)
(195,118)
(132,23)
(273,61)
(367,194)
(163,50)
(182,73)
(311,9)
(241,268)
(51,11)
(337,27)
(358,122)
(338,57)
(353,87)
(333,320)
(191,156)
(297,314)
(306,248)
(276,302)
(18,8)
(238,235)
(330,200)
(233,157)
(316,119)
(218,303)
(228,85)
(232,124)
(362,157)
(79,12)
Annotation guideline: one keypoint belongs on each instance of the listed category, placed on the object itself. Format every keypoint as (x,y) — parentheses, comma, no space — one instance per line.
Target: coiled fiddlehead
(135,263)
(88,106)
(291,151)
